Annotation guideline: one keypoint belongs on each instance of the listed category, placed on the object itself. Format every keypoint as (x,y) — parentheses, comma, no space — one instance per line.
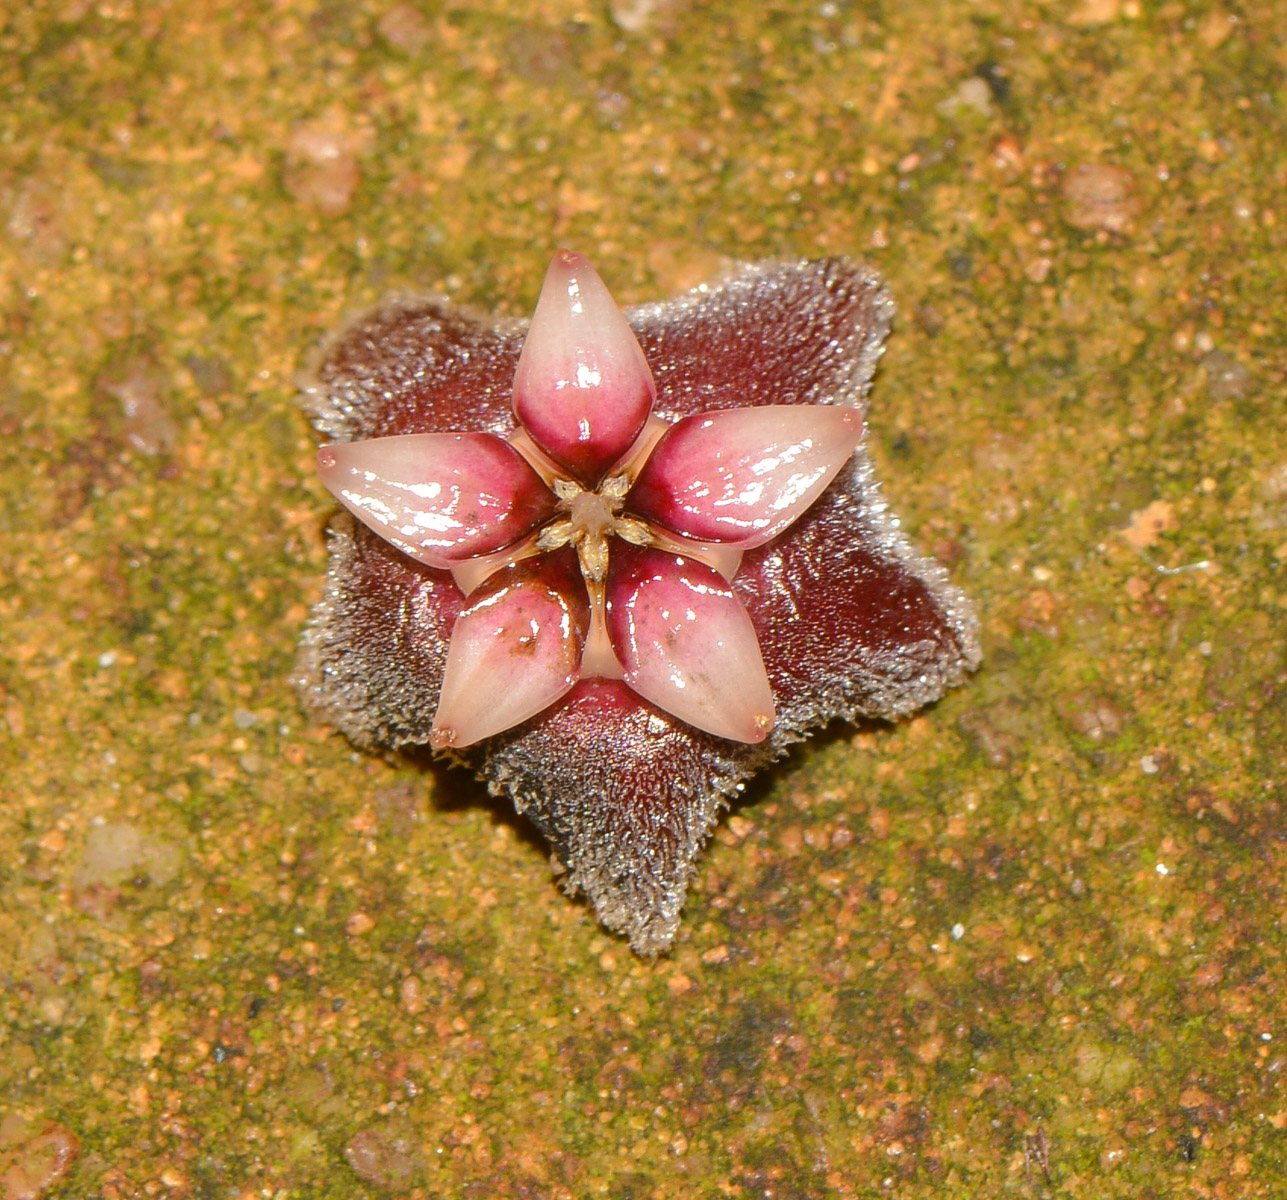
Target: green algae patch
(1028,943)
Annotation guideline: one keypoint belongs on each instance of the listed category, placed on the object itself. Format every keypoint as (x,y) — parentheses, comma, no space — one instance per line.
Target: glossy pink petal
(741,475)
(439,497)
(512,654)
(582,389)
(687,645)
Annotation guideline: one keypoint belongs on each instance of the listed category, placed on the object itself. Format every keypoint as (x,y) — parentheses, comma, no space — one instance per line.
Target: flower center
(592,518)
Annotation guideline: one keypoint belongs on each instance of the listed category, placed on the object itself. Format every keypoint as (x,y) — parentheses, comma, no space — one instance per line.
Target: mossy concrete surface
(1029,943)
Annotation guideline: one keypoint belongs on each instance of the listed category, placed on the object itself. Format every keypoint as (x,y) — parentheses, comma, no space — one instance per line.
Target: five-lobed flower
(597,539)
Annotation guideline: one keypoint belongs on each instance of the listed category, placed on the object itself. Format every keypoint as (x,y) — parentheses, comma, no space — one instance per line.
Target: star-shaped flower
(619,558)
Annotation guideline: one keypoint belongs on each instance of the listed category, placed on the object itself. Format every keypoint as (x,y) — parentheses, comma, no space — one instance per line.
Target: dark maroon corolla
(621,561)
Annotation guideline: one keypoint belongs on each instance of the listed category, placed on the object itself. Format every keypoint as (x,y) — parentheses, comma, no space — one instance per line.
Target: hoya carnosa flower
(618,562)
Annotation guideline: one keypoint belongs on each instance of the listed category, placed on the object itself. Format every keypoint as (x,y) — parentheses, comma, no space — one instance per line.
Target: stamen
(592,518)
(555,536)
(614,490)
(592,554)
(566,490)
(634,531)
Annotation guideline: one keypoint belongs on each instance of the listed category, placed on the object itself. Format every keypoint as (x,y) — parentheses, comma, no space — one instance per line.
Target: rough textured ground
(1029,944)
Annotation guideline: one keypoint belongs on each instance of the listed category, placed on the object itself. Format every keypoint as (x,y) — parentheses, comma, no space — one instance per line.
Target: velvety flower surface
(617,563)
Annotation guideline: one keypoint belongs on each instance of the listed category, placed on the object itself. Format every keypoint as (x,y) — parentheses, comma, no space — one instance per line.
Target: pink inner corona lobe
(657,516)
(439,497)
(582,389)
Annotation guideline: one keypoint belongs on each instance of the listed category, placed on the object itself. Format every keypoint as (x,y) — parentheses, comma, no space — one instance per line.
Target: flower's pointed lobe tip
(572,276)
(442,737)
(326,460)
(582,388)
(744,724)
(570,260)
